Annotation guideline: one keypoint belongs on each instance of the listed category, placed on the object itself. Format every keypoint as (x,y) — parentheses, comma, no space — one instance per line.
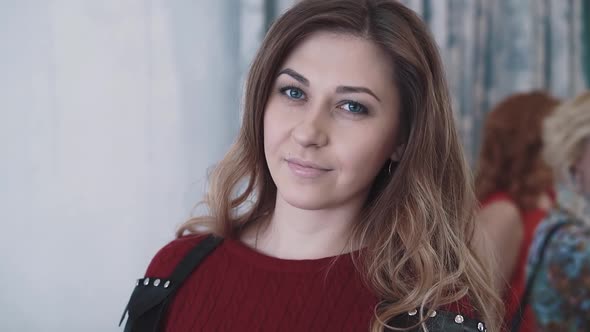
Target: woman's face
(331,121)
(582,167)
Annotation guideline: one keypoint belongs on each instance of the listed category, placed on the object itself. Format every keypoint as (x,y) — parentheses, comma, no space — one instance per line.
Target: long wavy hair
(418,223)
(510,158)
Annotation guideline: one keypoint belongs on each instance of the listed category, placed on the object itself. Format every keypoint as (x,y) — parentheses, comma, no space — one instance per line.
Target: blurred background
(112,112)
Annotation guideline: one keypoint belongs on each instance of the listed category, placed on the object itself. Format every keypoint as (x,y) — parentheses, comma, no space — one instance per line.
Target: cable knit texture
(239,289)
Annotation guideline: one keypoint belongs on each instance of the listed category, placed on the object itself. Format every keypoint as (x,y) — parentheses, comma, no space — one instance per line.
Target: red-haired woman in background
(514,186)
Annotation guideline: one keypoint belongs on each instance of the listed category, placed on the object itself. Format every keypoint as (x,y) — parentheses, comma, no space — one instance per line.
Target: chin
(305,200)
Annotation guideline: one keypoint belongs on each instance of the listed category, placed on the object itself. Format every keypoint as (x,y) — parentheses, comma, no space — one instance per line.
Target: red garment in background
(531,219)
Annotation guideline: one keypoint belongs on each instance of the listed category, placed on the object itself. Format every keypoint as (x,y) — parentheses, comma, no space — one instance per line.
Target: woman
(345,203)
(514,186)
(560,295)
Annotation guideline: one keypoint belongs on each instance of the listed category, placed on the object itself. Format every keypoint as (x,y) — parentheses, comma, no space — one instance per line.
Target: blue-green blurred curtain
(494,48)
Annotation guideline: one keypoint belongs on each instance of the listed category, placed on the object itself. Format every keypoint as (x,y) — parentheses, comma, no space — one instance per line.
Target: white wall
(110,113)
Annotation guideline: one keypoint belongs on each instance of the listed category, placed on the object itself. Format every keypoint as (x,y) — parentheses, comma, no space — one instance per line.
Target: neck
(294,233)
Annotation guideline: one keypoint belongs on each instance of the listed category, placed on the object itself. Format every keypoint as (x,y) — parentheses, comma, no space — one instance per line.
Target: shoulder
(560,287)
(570,246)
(498,196)
(572,235)
(501,214)
(166,259)
(504,206)
(567,252)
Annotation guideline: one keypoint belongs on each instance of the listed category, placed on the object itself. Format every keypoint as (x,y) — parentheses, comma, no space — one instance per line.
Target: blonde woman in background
(560,293)
(515,188)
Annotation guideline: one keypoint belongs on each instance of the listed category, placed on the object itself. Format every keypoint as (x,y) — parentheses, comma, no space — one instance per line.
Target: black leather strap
(524,299)
(437,321)
(193,259)
(151,296)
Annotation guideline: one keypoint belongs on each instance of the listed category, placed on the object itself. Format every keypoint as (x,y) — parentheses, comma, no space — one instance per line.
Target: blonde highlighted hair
(564,135)
(418,223)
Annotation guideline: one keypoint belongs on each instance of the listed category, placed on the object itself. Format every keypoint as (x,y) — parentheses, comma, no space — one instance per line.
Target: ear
(398,153)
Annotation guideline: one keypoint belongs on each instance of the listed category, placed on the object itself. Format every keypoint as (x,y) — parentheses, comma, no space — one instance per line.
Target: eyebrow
(356,89)
(340,89)
(298,77)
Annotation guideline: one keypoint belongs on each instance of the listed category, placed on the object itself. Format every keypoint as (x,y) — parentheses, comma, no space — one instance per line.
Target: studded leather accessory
(151,296)
(437,321)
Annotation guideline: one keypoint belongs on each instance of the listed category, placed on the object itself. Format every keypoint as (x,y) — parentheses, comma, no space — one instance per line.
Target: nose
(311,131)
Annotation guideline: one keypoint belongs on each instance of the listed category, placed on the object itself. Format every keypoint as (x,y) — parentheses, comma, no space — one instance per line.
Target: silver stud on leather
(480,327)
(413,312)
(146,281)
(157,282)
(459,319)
(137,282)
(433,314)
(166,284)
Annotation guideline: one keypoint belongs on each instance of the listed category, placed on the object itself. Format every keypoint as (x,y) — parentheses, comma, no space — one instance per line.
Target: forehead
(325,56)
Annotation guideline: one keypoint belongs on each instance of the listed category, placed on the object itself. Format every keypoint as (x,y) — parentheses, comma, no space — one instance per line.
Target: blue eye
(293,92)
(354,107)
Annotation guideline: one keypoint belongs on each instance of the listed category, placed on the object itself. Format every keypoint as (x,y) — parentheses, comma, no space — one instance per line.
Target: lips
(306,169)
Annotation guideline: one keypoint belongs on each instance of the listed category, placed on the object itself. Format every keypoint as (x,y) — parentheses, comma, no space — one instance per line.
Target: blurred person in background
(514,186)
(346,202)
(559,258)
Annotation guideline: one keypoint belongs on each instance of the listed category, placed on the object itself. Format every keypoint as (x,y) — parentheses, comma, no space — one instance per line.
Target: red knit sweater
(239,289)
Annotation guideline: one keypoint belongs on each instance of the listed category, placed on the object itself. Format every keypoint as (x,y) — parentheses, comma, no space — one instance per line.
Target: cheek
(270,135)
(275,128)
(364,154)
